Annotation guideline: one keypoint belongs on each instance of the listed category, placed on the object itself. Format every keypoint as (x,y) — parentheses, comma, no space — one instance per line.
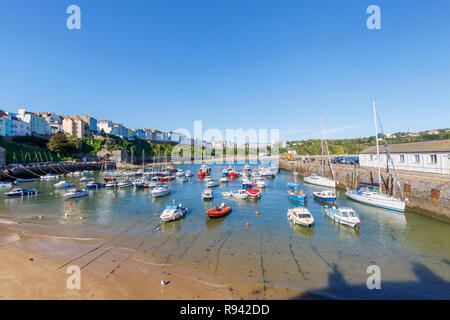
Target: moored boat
(345,216)
(19,192)
(63,185)
(212,183)
(75,193)
(207,194)
(95,185)
(124,184)
(172,213)
(327,196)
(219,211)
(301,216)
(240,194)
(254,193)
(160,191)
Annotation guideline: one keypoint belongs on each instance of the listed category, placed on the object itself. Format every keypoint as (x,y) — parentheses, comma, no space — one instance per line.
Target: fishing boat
(254,193)
(301,216)
(63,185)
(207,194)
(183,179)
(327,196)
(367,193)
(296,193)
(189,173)
(345,216)
(124,184)
(160,191)
(203,171)
(240,194)
(20,192)
(212,183)
(95,185)
(219,211)
(322,180)
(224,179)
(172,213)
(75,193)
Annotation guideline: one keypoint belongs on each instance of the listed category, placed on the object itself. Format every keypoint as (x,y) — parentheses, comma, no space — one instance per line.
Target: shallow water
(270,258)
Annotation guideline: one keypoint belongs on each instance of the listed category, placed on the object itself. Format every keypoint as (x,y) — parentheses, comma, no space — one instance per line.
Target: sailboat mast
(376,140)
(321,144)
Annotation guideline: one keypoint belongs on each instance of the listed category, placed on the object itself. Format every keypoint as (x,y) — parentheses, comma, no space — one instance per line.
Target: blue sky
(232,64)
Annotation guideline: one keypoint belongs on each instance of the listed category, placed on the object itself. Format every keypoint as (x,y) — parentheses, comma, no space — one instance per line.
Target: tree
(59,144)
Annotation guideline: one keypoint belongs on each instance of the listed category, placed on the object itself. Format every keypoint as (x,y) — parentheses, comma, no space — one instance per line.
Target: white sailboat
(322,180)
(366,192)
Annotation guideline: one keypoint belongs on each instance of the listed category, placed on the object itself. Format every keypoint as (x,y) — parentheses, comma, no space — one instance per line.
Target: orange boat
(219,211)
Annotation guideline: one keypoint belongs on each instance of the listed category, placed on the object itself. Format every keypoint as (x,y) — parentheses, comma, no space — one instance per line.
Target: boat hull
(387,203)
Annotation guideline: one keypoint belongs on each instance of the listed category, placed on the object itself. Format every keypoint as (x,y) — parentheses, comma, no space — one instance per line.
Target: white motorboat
(86,179)
(160,191)
(301,216)
(207,178)
(124,184)
(180,173)
(75,193)
(207,194)
(172,213)
(346,216)
(227,194)
(20,192)
(320,181)
(240,194)
(224,179)
(49,176)
(212,183)
(63,185)
(111,184)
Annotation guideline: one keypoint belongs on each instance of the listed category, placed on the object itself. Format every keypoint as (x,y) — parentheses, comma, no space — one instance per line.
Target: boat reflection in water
(303,232)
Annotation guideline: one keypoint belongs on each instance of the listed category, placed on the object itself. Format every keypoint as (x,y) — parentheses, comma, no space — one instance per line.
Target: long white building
(425,156)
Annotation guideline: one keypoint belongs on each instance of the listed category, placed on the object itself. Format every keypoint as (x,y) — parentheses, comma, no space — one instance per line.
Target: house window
(433,158)
(402,158)
(417,158)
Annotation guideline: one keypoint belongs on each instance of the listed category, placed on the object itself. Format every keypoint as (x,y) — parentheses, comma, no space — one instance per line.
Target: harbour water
(269,257)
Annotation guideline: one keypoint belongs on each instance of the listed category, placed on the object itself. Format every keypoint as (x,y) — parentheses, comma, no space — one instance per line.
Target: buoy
(246,224)
(156,215)
(390,222)
(256,213)
(70,203)
(114,196)
(40,217)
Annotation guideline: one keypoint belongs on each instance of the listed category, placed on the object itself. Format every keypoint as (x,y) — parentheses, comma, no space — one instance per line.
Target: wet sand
(34,267)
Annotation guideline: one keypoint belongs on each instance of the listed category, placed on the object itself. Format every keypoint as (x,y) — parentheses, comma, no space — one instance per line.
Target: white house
(424,156)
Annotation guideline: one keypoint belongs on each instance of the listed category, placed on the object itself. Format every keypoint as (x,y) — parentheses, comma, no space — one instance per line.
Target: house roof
(412,147)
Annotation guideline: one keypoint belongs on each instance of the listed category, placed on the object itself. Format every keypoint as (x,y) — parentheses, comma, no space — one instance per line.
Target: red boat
(233,174)
(109,179)
(219,211)
(254,193)
(168,178)
(204,171)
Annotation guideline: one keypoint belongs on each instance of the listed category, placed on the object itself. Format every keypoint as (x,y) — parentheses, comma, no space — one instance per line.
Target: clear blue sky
(231,63)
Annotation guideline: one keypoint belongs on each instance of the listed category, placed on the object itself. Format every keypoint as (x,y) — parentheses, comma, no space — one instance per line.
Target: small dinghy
(261,184)
(74,193)
(219,211)
(20,192)
(327,196)
(224,179)
(189,173)
(172,213)
(49,176)
(86,179)
(346,216)
(180,173)
(160,191)
(183,179)
(227,194)
(301,216)
(63,185)
(207,194)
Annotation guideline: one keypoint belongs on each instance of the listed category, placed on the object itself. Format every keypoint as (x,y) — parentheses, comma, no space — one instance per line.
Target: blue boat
(19,192)
(24,180)
(327,196)
(95,185)
(297,195)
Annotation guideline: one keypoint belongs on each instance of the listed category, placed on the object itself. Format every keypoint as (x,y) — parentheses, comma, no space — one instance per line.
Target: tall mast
(376,140)
(321,144)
